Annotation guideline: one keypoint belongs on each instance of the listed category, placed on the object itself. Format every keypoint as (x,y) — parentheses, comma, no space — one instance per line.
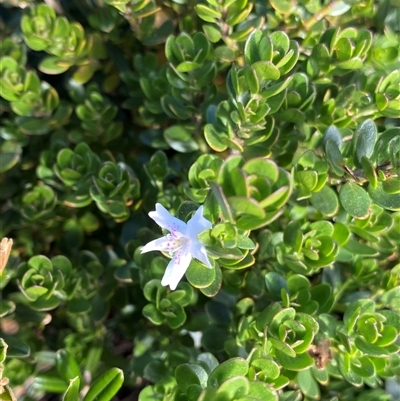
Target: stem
(342,290)
(359,176)
(365,113)
(319,15)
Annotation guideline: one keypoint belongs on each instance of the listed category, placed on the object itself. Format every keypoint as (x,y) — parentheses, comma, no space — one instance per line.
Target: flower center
(175,243)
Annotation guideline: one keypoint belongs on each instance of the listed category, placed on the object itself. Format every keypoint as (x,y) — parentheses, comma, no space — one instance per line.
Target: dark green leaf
(106,386)
(355,200)
(325,201)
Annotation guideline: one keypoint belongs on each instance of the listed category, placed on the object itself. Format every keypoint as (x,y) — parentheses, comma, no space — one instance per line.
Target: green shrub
(265,135)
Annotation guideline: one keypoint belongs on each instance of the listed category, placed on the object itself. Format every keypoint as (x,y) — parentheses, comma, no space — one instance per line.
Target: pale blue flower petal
(167,243)
(197,224)
(177,268)
(165,220)
(199,252)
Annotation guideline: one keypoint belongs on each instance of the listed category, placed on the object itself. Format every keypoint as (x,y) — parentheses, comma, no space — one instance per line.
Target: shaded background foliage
(280,117)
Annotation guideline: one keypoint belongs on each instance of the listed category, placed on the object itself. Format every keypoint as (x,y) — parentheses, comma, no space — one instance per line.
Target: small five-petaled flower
(181,241)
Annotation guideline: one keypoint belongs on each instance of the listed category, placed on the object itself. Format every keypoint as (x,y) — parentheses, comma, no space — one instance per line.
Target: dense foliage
(280,118)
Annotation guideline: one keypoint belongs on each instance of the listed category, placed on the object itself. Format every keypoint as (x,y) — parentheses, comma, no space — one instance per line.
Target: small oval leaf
(355,200)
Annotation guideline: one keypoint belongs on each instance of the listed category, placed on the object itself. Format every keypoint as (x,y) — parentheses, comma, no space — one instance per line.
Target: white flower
(181,241)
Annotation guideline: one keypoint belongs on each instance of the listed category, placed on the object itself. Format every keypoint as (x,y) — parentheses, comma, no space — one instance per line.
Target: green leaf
(237,13)
(276,88)
(61,28)
(225,54)
(298,363)
(106,386)
(248,222)
(322,293)
(72,392)
(308,159)
(384,199)
(325,201)
(230,368)
(244,242)
(391,185)
(251,48)
(282,6)
(213,34)
(153,314)
(174,107)
(215,286)
(23,108)
(339,8)
(370,349)
(188,66)
(78,305)
(67,365)
(265,316)
(148,394)
(53,65)
(282,316)
(208,361)
(381,101)
(320,60)
(387,336)
(341,233)
(308,385)
(242,205)
(40,262)
(391,79)
(355,63)
(50,384)
(180,138)
(6,308)
(344,49)
(214,138)
(252,81)
(367,328)
(370,172)
(308,178)
(355,200)
(45,304)
(241,188)
(277,199)
(280,41)
(84,73)
(268,366)
(296,283)
(263,167)
(17,349)
(208,394)
(363,367)
(266,71)
(206,13)
(354,311)
(359,248)
(275,282)
(190,373)
(36,43)
(287,63)
(155,370)
(233,388)
(334,157)
(364,140)
(10,153)
(200,276)
(262,391)
(222,201)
